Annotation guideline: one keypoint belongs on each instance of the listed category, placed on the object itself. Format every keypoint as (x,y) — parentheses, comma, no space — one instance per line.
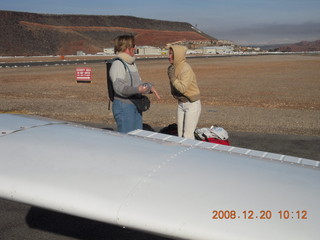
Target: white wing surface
(170,186)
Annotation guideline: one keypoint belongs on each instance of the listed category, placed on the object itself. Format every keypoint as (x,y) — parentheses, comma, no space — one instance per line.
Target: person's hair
(121,43)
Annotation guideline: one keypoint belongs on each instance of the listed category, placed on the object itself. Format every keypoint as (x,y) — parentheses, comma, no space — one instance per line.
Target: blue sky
(241,21)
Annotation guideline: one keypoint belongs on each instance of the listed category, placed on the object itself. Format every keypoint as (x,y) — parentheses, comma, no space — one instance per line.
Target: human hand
(144,88)
(153,90)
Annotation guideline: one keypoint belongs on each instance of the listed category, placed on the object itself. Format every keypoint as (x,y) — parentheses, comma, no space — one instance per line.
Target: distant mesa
(304,46)
(30,34)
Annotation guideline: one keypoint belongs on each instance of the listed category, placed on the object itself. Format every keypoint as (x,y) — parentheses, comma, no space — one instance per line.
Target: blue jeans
(127,117)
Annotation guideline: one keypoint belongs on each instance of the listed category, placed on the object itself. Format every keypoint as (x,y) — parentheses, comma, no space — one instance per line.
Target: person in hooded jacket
(185,89)
(126,114)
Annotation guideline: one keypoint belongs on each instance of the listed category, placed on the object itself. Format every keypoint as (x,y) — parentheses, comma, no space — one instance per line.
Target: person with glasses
(127,84)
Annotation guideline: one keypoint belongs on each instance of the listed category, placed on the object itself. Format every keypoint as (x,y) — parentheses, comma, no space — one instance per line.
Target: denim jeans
(126,115)
(187,117)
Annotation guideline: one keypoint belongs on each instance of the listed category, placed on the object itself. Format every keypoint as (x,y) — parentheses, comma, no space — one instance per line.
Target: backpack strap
(109,81)
(125,67)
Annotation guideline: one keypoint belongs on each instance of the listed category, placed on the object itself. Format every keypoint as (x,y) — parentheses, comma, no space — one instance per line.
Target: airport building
(141,50)
(108,51)
(148,50)
(218,50)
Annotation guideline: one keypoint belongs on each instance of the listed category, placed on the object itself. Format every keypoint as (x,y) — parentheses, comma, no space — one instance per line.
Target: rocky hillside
(303,46)
(46,34)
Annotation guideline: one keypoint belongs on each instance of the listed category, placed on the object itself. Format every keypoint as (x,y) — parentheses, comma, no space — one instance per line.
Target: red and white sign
(83,74)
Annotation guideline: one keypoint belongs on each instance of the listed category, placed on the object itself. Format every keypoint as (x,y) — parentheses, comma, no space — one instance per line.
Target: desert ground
(266,94)
(266,102)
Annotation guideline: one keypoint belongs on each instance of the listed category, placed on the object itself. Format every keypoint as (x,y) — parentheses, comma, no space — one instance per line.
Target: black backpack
(109,81)
(142,102)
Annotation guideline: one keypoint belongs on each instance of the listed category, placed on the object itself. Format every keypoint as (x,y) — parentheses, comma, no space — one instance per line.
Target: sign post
(83,75)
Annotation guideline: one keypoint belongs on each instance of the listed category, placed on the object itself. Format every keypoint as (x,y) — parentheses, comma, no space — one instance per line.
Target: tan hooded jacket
(183,81)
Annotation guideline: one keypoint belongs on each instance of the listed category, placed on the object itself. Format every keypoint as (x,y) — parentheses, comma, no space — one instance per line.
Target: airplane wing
(166,185)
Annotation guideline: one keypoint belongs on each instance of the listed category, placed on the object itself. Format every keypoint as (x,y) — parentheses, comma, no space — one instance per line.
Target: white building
(81,53)
(218,50)
(195,51)
(108,51)
(141,50)
(148,50)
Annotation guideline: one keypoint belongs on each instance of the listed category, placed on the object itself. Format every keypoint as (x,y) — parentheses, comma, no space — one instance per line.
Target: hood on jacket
(179,54)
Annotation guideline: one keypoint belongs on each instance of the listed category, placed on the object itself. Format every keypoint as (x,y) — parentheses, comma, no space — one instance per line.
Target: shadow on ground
(81,228)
